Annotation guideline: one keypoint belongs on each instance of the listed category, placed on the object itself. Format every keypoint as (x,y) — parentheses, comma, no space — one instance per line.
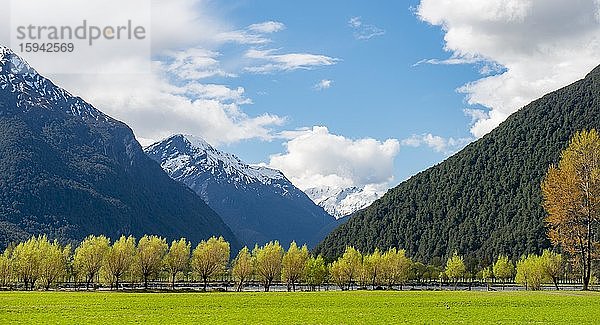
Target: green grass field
(357,307)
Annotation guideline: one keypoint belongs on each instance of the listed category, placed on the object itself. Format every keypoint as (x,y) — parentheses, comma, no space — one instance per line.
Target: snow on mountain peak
(341,202)
(11,63)
(184,155)
(32,91)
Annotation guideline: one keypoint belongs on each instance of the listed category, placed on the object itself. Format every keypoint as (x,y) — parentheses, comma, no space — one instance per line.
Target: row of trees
(42,263)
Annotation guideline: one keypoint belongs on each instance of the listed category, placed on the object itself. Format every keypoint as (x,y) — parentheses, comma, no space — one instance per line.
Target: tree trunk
(555,280)
(205,282)
(588,261)
(239,288)
(173,275)
(145,282)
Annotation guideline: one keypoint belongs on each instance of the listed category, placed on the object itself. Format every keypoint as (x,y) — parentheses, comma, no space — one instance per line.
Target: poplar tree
(293,264)
(151,251)
(210,257)
(120,259)
(178,258)
(242,267)
(504,270)
(455,268)
(571,194)
(89,257)
(268,262)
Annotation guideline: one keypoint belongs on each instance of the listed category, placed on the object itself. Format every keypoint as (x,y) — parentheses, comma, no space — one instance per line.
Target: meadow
(333,307)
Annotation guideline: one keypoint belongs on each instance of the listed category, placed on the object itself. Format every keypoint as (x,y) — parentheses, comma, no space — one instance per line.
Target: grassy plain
(356,307)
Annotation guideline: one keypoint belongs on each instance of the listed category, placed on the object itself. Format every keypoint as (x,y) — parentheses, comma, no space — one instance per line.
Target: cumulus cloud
(315,158)
(530,47)
(272,62)
(323,84)
(364,31)
(440,144)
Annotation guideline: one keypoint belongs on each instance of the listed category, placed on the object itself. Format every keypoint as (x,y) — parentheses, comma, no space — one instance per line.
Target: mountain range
(486,199)
(68,170)
(259,204)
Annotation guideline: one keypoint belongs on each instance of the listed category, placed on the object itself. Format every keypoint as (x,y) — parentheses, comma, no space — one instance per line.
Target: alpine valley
(68,170)
(485,200)
(258,203)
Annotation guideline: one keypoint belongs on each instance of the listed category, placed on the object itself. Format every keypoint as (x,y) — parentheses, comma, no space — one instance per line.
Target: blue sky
(377,91)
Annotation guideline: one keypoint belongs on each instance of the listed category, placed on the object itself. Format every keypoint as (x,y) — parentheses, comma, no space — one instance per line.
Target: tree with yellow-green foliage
(352,264)
(504,269)
(486,276)
(455,268)
(89,257)
(151,251)
(119,260)
(242,267)
(571,194)
(178,258)
(293,264)
(5,268)
(316,272)
(338,274)
(27,261)
(53,261)
(373,266)
(210,258)
(396,267)
(552,264)
(531,273)
(268,262)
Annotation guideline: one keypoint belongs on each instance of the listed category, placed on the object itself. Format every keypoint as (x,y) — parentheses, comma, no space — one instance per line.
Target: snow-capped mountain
(37,92)
(68,170)
(185,156)
(341,202)
(258,203)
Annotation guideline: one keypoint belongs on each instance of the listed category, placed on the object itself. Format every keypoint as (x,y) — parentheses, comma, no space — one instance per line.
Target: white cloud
(221,93)
(194,63)
(155,108)
(272,62)
(364,31)
(267,27)
(251,35)
(440,144)
(315,158)
(541,44)
(323,84)
(242,37)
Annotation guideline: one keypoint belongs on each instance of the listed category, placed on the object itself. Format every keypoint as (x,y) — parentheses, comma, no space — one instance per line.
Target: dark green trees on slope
(485,200)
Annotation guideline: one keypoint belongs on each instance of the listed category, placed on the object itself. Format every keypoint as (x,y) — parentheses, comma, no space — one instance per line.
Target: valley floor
(355,307)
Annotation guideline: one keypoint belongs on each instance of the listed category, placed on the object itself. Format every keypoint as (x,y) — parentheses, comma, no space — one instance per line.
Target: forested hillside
(484,200)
